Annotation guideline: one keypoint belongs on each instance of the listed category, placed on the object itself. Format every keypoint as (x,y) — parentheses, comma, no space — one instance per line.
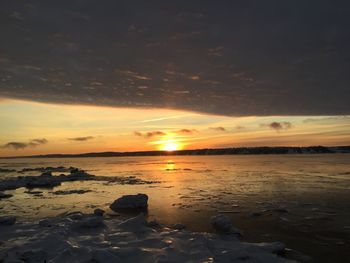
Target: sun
(170,147)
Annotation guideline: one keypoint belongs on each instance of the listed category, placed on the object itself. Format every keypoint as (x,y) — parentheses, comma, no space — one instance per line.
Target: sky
(41,128)
(89,75)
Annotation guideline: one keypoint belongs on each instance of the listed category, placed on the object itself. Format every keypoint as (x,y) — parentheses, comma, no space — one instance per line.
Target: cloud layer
(149,134)
(228,57)
(81,139)
(278,126)
(22,145)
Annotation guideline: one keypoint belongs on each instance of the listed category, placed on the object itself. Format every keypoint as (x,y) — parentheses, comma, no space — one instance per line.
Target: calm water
(255,191)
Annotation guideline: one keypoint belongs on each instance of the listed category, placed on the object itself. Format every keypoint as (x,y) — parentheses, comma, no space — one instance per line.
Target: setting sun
(170,147)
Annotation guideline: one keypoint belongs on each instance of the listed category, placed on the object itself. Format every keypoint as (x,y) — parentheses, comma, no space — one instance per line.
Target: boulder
(222,224)
(130,202)
(45,223)
(7,220)
(98,212)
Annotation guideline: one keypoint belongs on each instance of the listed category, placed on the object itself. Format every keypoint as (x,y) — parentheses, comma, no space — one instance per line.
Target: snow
(90,238)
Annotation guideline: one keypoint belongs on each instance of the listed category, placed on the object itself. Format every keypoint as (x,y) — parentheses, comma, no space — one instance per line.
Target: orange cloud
(149,134)
(221,129)
(277,126)
(186,131)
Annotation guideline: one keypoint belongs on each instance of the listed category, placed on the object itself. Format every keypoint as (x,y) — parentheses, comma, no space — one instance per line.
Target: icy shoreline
(48,180)
(78,237)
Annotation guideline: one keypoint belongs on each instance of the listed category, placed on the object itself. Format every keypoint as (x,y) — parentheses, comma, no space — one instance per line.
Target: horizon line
(175,152)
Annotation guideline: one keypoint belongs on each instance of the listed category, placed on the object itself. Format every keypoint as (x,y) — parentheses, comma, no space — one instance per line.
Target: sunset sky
(38,128)
(87,76)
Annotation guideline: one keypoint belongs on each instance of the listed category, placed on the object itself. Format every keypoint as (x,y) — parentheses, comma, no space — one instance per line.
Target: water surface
(301,200)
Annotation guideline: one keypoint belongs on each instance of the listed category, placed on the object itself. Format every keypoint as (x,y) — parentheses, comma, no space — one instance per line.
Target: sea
(301,200)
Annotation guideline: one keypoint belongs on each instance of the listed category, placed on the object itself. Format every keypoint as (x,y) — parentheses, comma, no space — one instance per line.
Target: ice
(47,180)
(131,240)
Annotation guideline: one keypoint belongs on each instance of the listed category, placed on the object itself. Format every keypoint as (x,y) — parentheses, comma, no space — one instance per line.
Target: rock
(154,224)
(91,222)
(98,212)
(42,182)
(221,223)
(78,173)
(3,195)
(4,170)
(7,220)
(45,223)
(46,174)
(34,256)
(130,202)
(75,215)
(274,247)
(68,192)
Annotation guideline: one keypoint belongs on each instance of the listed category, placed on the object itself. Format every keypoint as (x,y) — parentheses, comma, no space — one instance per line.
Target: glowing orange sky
(78,129)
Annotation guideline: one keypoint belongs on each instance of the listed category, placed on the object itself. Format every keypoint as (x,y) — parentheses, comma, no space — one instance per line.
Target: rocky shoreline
(95,237)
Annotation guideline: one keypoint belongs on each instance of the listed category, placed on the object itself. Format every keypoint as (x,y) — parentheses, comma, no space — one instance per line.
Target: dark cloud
(220,129)
(149,134)
(186,131)
(22,145)
(229,57)
(278,126)
(15,145)
(81,139)
(39,141)
(240,127)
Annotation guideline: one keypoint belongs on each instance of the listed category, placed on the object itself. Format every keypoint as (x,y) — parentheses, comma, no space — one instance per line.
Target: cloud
(81,139)
(15,145)
(278,126)
(201,58)
(186,131)
(39,141)
(149,134)
(22,145)
(219,129)
(327,119)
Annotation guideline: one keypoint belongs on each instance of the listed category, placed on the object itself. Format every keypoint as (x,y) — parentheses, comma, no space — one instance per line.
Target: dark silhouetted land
(221,151)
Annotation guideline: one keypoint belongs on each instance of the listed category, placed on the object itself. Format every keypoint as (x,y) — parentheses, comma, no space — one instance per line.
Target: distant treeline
(222,151)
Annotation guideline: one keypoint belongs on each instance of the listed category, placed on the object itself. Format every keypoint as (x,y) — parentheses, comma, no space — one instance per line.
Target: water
(301,200)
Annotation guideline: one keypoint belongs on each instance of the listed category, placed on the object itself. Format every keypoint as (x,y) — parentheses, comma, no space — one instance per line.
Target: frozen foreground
(78,237)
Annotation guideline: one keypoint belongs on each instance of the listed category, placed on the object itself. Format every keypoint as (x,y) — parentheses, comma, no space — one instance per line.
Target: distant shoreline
(220,151)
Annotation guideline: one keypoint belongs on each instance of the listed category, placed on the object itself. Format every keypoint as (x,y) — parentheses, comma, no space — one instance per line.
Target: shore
(78,237)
